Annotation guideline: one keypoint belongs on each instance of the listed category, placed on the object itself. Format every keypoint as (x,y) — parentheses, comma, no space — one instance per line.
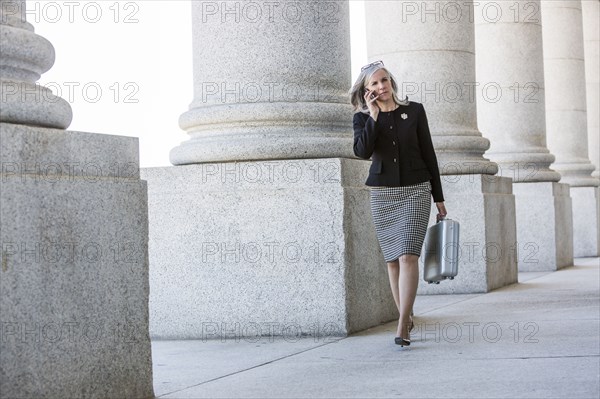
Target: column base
(258,249)
(73,276)
(544,226)
(253,147)
(485,208)
(586,221)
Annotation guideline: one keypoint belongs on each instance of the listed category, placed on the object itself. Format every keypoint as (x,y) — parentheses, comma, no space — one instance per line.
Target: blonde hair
(357,92)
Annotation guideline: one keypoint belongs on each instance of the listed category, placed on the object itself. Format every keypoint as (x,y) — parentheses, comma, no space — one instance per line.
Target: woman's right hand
(370,100)
(442,212)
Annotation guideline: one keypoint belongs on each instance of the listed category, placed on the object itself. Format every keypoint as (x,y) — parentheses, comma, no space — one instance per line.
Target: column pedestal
(285,269)
(74,266)
(252,249)
(586,221)
(544,226)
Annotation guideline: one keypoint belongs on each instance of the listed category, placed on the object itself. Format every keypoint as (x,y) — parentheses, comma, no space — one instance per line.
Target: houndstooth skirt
(400,216)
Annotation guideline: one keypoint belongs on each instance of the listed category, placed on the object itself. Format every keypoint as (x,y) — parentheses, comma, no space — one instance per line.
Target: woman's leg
(393,275)
(407,283)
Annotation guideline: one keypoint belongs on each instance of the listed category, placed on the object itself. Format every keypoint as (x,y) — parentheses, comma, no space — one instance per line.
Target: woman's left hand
(441,211)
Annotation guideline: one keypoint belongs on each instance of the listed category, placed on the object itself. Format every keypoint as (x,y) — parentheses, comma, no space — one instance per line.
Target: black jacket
(400,147)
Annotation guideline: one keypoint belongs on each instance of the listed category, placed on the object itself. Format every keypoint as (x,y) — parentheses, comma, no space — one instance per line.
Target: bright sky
(126,66)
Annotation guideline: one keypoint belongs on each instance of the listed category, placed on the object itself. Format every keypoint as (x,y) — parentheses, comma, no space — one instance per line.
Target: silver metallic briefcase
(440,252)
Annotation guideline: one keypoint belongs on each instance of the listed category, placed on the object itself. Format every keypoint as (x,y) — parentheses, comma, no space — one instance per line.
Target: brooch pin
(404,116)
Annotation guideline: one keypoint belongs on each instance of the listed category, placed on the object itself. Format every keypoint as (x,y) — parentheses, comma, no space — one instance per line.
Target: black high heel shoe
(402,341)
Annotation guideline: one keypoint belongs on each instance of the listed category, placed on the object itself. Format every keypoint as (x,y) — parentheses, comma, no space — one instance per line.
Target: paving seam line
(250,368)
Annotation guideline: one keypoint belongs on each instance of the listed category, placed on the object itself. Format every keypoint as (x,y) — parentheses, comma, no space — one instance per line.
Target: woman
(403,176)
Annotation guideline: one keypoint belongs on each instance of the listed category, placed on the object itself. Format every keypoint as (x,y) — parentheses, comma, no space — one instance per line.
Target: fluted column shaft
(591,42)
(509,58)
(270,82)
(429,47)
(564,74)
(24,56)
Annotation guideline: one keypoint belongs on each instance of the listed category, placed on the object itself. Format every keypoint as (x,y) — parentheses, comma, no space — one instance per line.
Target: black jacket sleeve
(365,135)
(428,155)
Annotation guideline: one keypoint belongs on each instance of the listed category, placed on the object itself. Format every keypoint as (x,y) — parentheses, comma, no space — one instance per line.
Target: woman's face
(381,85)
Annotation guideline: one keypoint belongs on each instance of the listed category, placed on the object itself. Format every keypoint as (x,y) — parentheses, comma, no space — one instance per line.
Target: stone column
(590,10)
(566,119)
(430,48)
(25,56)
(512,115)
(73,236)
(289,242)
(564,68)
(270,82)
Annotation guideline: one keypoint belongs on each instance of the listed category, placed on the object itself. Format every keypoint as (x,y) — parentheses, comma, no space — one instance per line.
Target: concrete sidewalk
(535,339)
